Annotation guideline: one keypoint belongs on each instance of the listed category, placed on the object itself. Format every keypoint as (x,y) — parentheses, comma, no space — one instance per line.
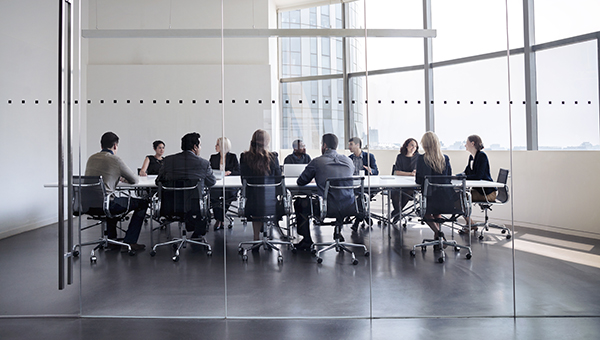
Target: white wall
(28,65)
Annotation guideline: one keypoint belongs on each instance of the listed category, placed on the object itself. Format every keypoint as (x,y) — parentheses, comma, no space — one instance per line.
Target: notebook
(293,170)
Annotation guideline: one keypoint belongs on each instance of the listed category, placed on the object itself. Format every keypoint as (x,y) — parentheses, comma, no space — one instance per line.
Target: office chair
(446,196)
(331,206)
(501,198)
(264,199)
(182,201)
(90,198)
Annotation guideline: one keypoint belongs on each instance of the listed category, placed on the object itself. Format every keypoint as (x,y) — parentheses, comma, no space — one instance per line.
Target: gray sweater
(111,168)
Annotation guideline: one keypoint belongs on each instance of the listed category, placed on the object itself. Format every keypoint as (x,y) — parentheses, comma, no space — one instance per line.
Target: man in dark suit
(188,165)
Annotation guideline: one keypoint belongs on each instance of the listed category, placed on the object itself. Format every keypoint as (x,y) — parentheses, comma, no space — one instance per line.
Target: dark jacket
(367,159)
(186,165)
(231,163)
(480,171)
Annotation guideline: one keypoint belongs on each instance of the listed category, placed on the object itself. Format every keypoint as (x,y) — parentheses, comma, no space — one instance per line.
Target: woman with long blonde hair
(432,163)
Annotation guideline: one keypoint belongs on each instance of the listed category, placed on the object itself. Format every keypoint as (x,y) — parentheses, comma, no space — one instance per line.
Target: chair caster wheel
(456,249)
(174,246)
(441,260)
(355,262)
(209,253)
(93,259)
(404,225)
(367,254)
(481,237)
(319,260)
(313,251)
(423,248)
(176,258)
(413,253)
(503,231)
(508,237)
(469,256)
(153,253)
(461,232)
(279,259)
(131,252)
(294,250)
(240,250)
(378,222)
(244,258)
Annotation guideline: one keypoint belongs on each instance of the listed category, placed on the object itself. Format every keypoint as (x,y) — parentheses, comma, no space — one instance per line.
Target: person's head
(223,145)
(433,152)
(109,140)
(258,157)
(260,140)
(355,144)
(191,142)
(329,141)
(159,147)
(410,146)
(299,147)
(474,144)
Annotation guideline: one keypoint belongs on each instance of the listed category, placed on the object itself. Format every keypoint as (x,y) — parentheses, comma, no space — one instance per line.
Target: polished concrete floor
(387,295)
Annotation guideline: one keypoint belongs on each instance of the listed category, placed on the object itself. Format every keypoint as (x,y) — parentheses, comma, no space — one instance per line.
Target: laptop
(293,170)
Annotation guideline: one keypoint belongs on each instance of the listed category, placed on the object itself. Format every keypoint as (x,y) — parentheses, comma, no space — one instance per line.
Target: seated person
(299,155)
(259,161)
(432,163)
(188,165)
(230,166)
(478,168)
(406,165)
(107,164)
(362,160)
(152,163)
(329,165)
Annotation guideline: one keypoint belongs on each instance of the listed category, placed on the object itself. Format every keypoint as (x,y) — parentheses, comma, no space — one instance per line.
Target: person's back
(111,168)
(329,165)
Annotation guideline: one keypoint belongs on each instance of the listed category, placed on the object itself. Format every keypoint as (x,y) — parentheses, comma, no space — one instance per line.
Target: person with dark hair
(478,168)
(107,164)
(188,165)
(227,162)
(299,156)
(406,165)
(329,165)
(152,163)
(362,160)
(259,161)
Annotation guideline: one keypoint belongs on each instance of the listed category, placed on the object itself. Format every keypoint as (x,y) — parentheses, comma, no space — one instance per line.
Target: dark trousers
(303,211)
(400,198)
(216,202)
(119,206)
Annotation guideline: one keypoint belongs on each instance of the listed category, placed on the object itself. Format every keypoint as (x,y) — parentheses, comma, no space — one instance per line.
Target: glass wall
(148,88)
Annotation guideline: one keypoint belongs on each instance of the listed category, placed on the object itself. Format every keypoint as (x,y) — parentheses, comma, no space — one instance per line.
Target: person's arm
(275,164)
(145,167)
(307,175)
(126,173)
(234,165)
(374,170)
(210,179)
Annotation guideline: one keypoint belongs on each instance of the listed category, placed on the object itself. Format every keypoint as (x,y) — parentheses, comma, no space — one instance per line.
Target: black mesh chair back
(181,199)
(263,198)
(502,194)
(88,196)
(445,195)
(344,197)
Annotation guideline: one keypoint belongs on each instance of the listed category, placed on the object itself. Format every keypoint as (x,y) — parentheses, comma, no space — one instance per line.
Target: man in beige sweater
(107,164)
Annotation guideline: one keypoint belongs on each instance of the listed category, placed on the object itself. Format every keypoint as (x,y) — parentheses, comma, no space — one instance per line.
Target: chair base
(441,243)
(181,242)
(267,243)
(485,226)
(339,247)
(100,243)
